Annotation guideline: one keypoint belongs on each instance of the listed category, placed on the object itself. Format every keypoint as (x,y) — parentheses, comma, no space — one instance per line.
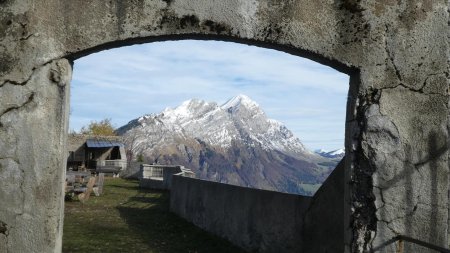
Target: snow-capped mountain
(338,153)
(233,143)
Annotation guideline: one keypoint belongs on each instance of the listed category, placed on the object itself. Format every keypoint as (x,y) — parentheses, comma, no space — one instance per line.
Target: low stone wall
(151,183)
(324,221)
(133,170)
(168,174)
(256,220)
(162,179)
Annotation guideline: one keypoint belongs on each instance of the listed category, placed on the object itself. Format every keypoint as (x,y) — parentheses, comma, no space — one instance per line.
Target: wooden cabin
(96,153)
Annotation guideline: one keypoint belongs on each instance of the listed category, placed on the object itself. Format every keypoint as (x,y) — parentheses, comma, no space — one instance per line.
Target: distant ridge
(338,153)
(232,143)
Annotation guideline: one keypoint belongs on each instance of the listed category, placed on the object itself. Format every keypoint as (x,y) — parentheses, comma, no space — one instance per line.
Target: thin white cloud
(130,81)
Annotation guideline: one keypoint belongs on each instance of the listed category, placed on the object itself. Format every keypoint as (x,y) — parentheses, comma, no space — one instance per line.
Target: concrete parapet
(324,220)
(256,220)
(152,183)
(160,176)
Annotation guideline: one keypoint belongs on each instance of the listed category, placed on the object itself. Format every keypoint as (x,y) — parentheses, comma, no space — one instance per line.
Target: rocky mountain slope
(232,143)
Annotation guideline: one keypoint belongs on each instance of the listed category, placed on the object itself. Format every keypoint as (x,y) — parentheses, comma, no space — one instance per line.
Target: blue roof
(91,143)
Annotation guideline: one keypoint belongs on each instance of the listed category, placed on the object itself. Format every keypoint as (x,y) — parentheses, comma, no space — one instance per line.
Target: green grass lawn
(129,219)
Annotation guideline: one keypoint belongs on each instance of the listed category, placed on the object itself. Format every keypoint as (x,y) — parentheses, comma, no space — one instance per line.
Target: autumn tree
(103,127)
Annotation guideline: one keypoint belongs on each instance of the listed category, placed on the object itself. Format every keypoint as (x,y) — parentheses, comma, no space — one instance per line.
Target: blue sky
(128,82)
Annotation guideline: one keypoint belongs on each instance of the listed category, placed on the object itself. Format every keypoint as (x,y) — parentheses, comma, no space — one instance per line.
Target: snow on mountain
(233,143)
(338,153)
(236,102)
(239,118)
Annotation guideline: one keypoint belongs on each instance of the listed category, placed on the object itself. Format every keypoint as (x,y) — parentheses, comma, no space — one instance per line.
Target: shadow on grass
(164,231)
(128,187)
(129,219)
(149,199)
(137,188)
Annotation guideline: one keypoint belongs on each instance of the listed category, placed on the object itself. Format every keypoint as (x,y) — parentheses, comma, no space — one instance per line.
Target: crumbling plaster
(396,52)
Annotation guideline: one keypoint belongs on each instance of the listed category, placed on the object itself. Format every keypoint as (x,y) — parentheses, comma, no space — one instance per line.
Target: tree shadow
(411,178)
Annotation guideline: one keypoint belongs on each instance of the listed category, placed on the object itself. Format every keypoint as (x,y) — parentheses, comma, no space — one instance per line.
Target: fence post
(141,171)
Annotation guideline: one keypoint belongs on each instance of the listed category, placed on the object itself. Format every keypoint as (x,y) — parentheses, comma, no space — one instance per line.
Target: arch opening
(178,102)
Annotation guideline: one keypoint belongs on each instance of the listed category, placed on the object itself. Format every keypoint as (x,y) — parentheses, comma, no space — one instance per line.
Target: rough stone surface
(253,219)
(31,162)
(396,53)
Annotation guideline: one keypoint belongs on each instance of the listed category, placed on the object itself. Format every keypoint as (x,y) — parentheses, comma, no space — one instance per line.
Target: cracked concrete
(396,53)
(15,106)
(33,191)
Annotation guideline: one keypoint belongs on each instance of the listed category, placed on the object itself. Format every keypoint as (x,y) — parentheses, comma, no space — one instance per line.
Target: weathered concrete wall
(256,220)
(33,127)
(323,229)
(133,170)
(265,221)
(396,52)
(152,183)
(164,183)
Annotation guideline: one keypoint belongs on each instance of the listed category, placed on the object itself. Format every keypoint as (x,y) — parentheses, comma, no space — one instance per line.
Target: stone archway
(395,52)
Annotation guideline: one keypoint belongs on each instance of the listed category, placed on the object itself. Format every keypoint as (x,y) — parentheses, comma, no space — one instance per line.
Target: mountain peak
(233,143)
(188,110)
(187,106)
(238,101)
